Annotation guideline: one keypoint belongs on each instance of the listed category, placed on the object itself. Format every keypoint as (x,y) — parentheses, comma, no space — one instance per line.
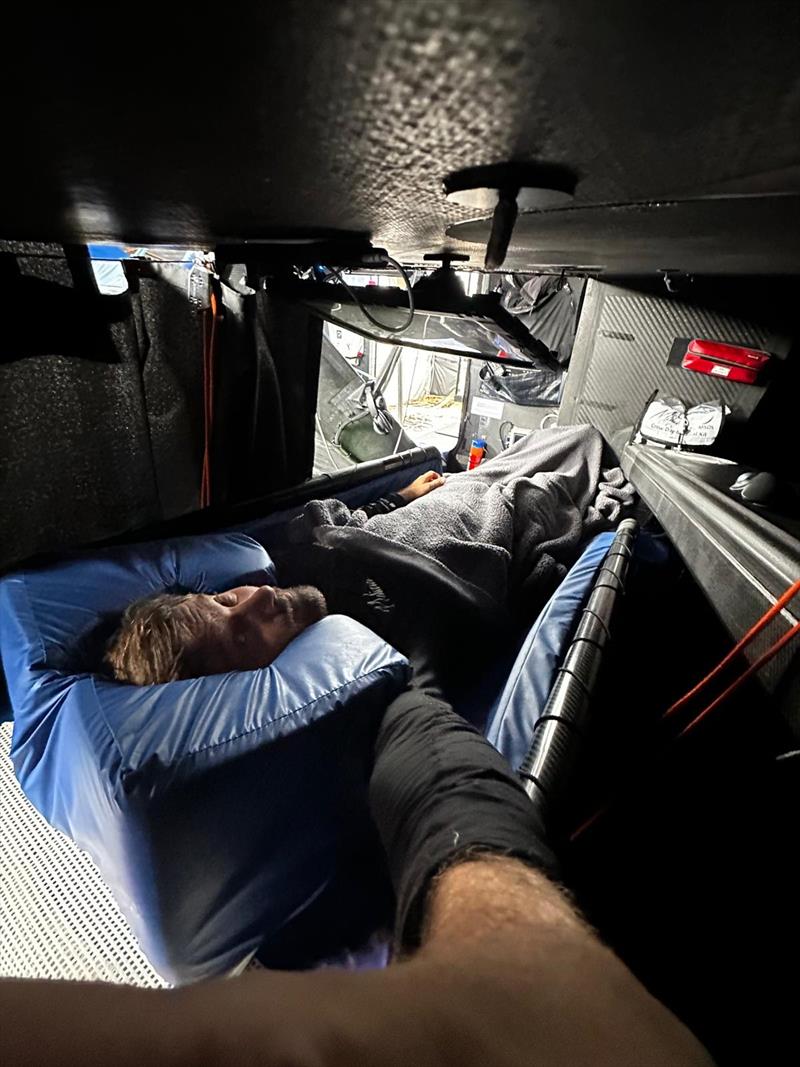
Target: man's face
(248,627)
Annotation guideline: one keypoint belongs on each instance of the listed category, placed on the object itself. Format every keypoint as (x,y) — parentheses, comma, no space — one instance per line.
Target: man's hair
(150,644)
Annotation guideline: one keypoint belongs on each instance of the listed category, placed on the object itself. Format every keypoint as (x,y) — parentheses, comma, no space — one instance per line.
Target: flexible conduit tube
(558,730)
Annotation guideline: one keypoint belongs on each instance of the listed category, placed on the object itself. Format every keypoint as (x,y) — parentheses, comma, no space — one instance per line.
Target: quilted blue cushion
(216,808)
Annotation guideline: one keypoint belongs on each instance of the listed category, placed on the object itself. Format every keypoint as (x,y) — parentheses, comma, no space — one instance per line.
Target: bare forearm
(553,992)
(82,1024)
(508,974)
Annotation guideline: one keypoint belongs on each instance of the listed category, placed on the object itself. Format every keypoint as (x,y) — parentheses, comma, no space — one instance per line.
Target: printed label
(482,405)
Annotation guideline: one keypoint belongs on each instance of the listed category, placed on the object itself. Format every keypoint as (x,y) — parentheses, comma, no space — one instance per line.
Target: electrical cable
(367,314)
(504,434)
(336,466)
(205,413)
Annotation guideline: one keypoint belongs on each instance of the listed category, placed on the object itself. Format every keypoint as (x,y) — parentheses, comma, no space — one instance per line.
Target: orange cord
(754,630)
(757,664)
(584,826)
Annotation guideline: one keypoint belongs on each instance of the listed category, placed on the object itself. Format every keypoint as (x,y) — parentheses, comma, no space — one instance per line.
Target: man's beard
(307,604)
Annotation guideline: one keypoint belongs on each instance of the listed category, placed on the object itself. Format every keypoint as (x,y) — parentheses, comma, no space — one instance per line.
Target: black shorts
(439,791)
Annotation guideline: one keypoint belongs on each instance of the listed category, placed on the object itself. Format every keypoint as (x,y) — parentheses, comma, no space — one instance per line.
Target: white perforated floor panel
(57,916)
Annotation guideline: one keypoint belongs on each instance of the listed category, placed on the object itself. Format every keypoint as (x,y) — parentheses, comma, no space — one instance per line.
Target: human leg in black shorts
(440,792)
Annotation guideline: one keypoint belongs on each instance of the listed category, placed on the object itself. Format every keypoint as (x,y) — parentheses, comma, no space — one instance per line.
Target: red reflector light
(736,363)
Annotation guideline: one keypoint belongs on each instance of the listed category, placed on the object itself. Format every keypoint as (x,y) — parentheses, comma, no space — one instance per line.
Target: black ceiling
(195,123)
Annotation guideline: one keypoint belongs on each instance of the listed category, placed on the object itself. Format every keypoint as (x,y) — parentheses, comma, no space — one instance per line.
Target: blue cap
(478,442)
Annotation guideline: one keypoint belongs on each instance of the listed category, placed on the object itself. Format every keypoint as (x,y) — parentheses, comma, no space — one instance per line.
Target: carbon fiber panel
(742,561)
(621,350)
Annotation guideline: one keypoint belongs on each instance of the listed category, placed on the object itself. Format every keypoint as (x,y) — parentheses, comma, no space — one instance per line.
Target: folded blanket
(509,528)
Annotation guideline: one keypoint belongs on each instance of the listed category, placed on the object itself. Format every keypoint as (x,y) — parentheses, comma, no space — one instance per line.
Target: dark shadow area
(41,318)
(690,874)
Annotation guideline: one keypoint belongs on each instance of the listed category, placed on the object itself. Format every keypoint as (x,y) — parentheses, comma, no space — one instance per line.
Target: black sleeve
(440,791)
(385,504)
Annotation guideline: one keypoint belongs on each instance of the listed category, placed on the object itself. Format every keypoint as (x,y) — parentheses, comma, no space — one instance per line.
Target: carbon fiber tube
(558,730)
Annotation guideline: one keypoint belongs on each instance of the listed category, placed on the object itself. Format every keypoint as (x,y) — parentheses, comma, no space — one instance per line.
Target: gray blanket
(511,526)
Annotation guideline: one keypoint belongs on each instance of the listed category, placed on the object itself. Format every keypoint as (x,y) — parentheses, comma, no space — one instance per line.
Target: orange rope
(588,824)
(754,630)
(754,667)
(762,660)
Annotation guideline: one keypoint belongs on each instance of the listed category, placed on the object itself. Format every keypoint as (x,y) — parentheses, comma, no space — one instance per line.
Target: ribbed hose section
(559,729)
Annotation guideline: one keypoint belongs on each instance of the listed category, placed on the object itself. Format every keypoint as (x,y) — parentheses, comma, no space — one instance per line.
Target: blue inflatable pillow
(216,808)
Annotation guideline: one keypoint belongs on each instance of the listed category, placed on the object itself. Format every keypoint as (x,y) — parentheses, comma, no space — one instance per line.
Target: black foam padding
(90,446)
(173,389)
(102,403)
(74,449)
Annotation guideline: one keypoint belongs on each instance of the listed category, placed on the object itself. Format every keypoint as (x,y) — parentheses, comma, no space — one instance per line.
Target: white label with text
(492,409)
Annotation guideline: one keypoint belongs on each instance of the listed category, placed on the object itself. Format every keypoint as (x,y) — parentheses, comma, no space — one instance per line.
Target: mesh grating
(57,916)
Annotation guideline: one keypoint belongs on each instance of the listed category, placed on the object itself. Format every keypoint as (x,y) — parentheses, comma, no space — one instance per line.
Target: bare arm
(508,974)
(421,486)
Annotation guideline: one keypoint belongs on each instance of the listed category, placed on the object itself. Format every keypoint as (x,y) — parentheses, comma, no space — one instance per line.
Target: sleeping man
(494,965)
(472,555)
(168,636)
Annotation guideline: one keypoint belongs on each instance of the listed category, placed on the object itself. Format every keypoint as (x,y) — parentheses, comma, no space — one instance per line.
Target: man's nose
(263,599)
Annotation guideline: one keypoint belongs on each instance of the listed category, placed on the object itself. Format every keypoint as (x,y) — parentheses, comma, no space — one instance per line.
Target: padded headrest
(101,760)
(46,616)
(59,617)
(64,604)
